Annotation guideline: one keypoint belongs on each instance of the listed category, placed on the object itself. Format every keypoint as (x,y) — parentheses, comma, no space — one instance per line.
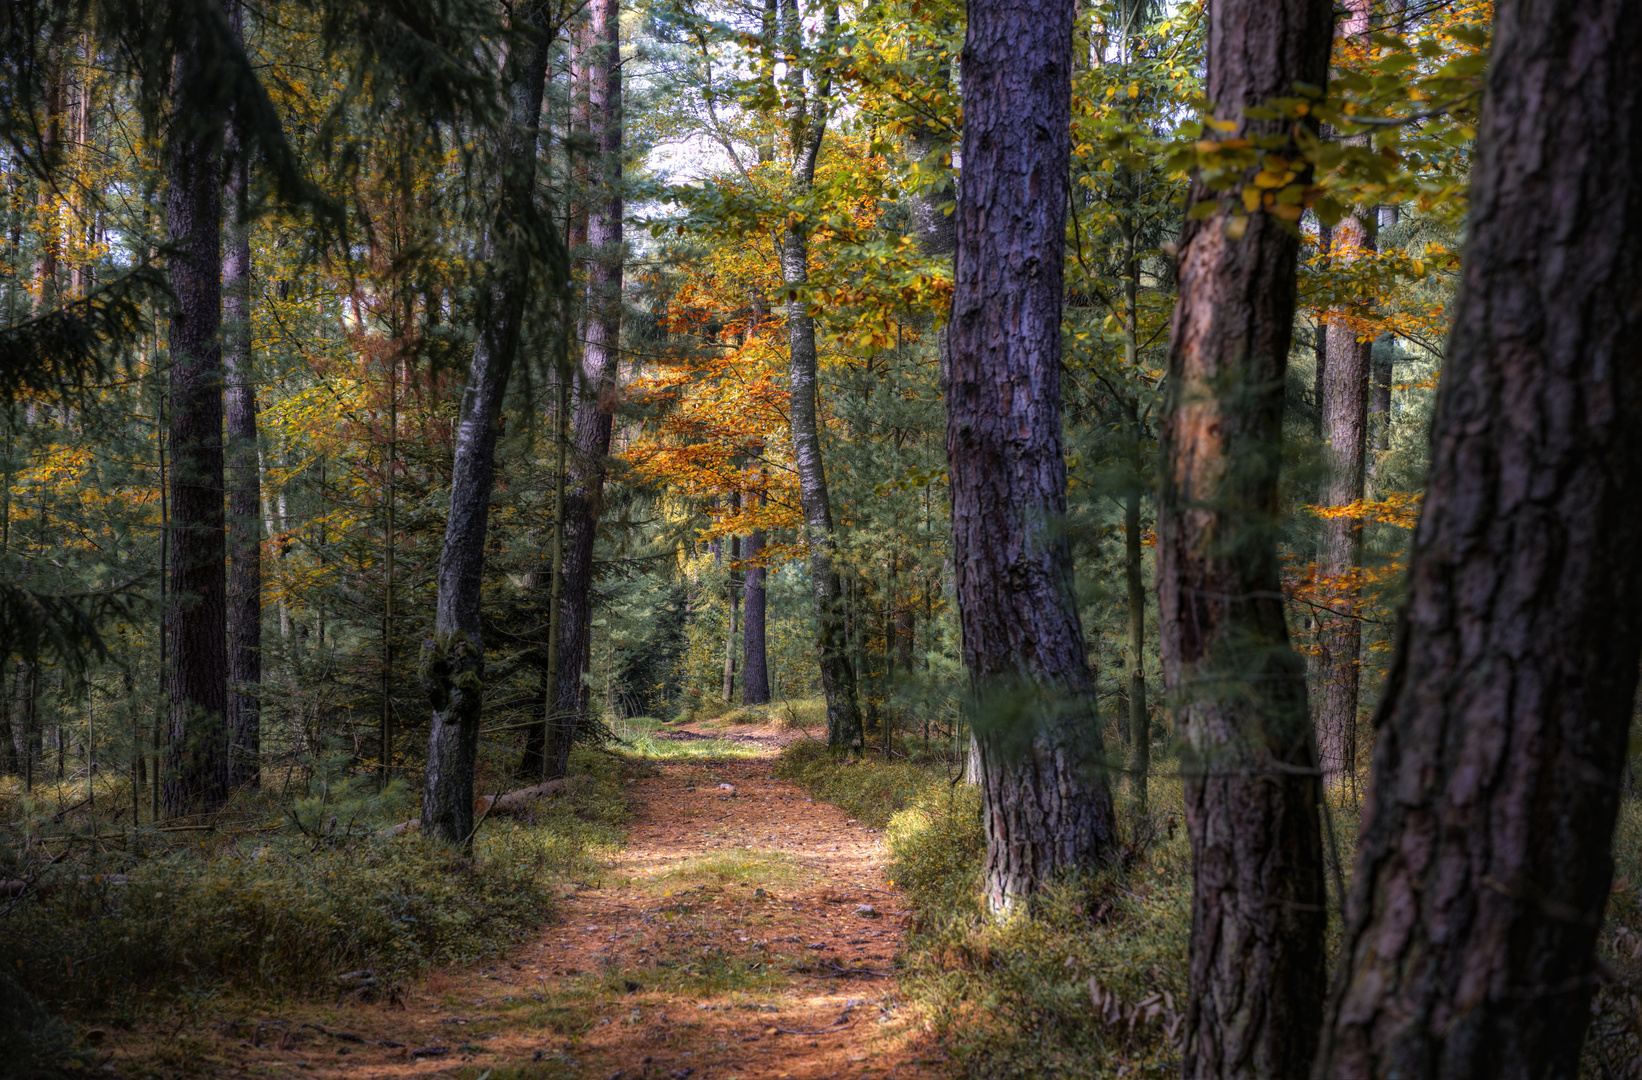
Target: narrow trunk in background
(244,478)
(1248,762)
(1485,859)
(538,739)
(197,764)
(732,639)
(596,384)
(1134,654)
(1046,798)
(755,667)
(1134,658)
(1345,435)
(806,127)
(453,663)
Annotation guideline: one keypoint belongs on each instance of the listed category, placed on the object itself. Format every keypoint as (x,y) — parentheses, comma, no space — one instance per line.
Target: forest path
(744,931)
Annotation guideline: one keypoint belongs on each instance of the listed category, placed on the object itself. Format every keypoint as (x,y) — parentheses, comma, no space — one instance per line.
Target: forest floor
(744,931)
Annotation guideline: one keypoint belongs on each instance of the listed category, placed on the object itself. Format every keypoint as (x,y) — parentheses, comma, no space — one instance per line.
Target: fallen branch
(16,887)
(512,803)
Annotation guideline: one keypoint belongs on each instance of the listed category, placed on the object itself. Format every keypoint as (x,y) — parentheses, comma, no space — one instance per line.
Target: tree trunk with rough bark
(596,385)
(197,754)
(1046,799)
(244,476)
(453,662)
(807,116)
(1345,434)
(1249,762)
(755,665)
(733,638)
(1485,857)
(1134,657)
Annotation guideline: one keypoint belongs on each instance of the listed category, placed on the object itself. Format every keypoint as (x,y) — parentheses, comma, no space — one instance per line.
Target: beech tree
(1485,857)
(1248,758)
(1047,803)
(808,110)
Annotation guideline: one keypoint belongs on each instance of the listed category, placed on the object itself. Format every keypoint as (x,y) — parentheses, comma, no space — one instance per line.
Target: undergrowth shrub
(1013,997)
(291,913)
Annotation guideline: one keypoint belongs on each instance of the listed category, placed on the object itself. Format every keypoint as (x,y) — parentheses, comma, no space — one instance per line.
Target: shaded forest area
(1161,469)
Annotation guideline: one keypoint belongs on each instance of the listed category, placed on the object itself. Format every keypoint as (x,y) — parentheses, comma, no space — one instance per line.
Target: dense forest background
(406,402)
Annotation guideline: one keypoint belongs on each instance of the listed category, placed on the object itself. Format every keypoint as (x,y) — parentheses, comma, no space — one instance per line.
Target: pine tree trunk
(732,639)
(197,755)
(453,662)
(1249,762)
(8,738)
(755,666)
(1345,432)
(595,398)
(1047,804)
(1485,857)
(1140,714)
(244,477)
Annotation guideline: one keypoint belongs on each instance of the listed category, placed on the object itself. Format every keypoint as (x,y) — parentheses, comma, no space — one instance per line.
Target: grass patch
(1012,998)
(869,788)
(648,739)
(288,912)
(739,867)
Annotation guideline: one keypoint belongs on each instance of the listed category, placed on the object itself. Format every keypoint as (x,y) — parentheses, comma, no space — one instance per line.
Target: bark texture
(596,384)
(1134,657)
(244,474)
(1047,803)
(755,665)
(1485,859)
(196,623)
(1340,555)
(1249,762)
(806,127)
(453,662)
(1344,406)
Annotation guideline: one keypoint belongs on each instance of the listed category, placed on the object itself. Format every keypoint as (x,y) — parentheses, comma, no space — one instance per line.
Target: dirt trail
(745,931)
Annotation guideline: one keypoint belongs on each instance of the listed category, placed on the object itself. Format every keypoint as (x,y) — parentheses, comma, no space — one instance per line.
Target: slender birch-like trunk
(452,667)
(806,127)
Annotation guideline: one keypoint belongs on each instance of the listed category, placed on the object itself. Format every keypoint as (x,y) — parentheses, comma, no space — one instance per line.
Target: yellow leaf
(1251,199)
(1287,211)
(1134,90)
(1236,226)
